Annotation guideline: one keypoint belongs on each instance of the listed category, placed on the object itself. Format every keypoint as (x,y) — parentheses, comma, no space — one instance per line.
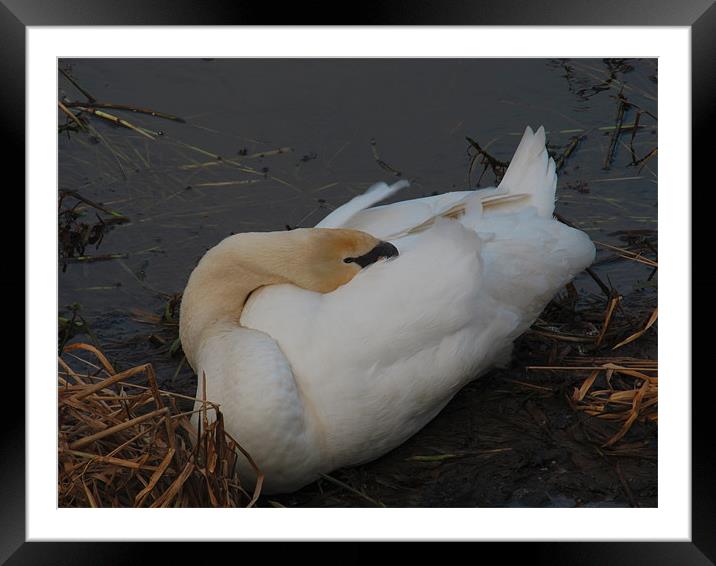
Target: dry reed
(124,444)
(622,390)
(632,398)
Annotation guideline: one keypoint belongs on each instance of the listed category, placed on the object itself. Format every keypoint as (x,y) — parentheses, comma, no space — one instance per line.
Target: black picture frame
(699,15)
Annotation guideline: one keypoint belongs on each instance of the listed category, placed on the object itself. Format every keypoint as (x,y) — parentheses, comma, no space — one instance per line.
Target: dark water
(330,128)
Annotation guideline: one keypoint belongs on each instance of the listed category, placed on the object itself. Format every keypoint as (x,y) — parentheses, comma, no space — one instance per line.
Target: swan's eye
(349,260)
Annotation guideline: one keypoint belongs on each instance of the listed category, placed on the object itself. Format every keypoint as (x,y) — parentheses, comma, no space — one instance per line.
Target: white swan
(319,363)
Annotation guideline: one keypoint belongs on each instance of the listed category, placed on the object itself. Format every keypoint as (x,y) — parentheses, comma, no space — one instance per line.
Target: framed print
(154,133)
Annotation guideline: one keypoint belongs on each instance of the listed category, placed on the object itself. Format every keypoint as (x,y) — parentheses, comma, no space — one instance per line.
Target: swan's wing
(532,172)
(394,220)
(530,180)
(376,193)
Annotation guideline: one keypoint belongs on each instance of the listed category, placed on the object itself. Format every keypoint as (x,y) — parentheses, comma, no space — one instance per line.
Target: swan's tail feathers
(376,193)
(531,174)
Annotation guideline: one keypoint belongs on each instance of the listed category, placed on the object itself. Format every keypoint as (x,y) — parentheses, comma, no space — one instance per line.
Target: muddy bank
(501,444)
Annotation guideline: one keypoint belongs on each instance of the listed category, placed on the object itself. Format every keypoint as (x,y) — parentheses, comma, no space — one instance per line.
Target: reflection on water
(268,144)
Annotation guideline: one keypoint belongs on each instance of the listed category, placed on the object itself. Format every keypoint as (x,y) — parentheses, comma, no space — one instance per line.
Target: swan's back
(378,358)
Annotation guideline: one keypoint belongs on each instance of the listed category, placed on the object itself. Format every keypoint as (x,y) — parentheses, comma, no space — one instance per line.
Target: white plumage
(330,380)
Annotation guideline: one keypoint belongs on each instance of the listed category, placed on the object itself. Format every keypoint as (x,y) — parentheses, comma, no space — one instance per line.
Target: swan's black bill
(382,250)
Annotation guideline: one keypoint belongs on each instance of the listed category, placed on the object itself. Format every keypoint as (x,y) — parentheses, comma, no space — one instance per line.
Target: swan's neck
(224,278)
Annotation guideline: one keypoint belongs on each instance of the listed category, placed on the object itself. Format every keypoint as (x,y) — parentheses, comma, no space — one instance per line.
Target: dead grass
(126,444)
(620,389)
(632,397)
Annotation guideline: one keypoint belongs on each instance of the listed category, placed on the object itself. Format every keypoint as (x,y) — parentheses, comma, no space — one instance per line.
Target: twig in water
(94,104)
(93,204)
(382,163)
(71,115)
(629,255)
(270,153)
(633,135)
(623,105)
(646,158)
(498,167)
(606,290)
(93,258)
(87,95)
(574,142)
(115,120)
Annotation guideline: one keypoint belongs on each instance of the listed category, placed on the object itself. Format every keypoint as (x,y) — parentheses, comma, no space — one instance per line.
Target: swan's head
(334,256)
(317,259)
